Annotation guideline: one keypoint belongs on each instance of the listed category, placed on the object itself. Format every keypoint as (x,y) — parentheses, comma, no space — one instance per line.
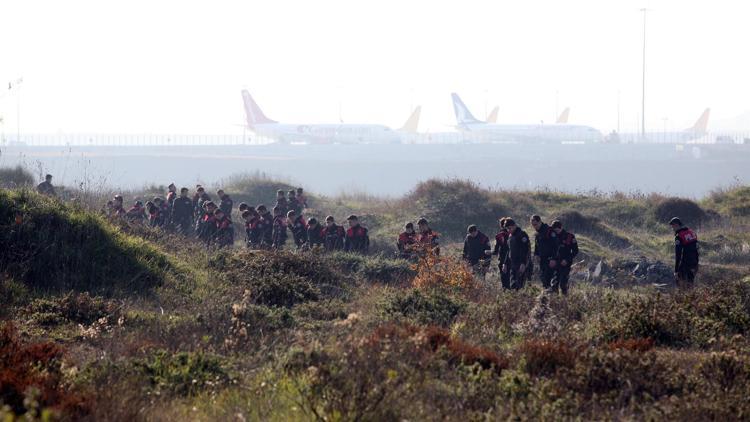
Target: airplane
(492,117)
(563,118)
(698,131)
(491,132)
(341,133)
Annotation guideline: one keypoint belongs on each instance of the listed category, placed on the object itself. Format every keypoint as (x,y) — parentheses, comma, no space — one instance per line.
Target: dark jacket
(567,248)
(545,242)
(265,227)
(475,247)
(405,244)
(315,235)
(224,232)
(226,205)
(501,246)
(279,231)
(334,237)
(182,209)
(518,247)
(298,228)
(685,249)
(357,239)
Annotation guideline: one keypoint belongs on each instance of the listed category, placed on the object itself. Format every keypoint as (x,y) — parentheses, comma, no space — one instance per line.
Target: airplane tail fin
(563,118)
(463,115)
(412,123)
(701,125)
(253,113)
(492,117)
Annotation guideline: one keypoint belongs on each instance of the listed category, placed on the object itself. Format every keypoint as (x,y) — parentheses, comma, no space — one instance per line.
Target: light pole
(643,80)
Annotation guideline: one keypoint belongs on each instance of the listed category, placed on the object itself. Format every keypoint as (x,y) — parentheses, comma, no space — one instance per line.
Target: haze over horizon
(179,66)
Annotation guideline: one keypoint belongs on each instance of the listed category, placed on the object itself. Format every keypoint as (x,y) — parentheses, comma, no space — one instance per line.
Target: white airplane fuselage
(327,133)
(530,133)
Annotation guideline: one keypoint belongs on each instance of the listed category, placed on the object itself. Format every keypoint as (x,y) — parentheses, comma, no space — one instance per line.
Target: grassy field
(104,321)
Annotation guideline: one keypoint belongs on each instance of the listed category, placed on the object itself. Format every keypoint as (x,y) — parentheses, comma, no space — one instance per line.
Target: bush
(591,226)
(688,211)
(15,177)
(451,205)
(373,268)
(80,308)
(255,189)
(54,246)
(544,357)
(183,373)
(431,308)
(280,278)
(31,378)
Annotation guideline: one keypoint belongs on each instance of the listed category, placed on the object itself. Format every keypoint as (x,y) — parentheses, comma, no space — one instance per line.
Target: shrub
(55,246)
(31,378)
(255,188)
(438,272)
(183,373)
(449,204)
(280,278)
(632,344)
(544,357)
(72,307)
(250,321)
(375,268)
(430,308)
(15,177)
(688,211)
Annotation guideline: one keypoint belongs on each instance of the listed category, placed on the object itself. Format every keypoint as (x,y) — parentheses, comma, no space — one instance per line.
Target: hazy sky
(178,66)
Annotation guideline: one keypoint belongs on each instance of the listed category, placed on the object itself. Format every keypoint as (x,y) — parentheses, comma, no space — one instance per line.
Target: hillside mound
(50,245)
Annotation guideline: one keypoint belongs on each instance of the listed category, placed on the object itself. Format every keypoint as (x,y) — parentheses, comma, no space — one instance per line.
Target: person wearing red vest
(545,248)
(333,235)
(357,239)
(685,252)
(298,227)
(407,240)
(224,229)
(477,251)
(428,238)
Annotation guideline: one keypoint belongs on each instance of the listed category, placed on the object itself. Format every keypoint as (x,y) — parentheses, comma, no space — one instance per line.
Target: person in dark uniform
(428,239)
(278,229)
(501,251)
(477,250)
(224,229)
(301,198)
(518,254)
(298,226)
(293,203)
(357,239)
(333,235)
(265,227)
(206,227)
(686,252)
(545,249)
(46,188)
(281,203)
(567,250)
(407,240)
(182,212)
(315,234)
(136,213)
(225,203)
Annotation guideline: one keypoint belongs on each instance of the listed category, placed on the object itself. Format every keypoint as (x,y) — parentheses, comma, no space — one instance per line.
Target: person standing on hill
(501,251)
(428,238)
(279,227)
(136,213)
(265,227)
(567,250)
(225,204)
(315,234)
(545,249)
(118,210)
(182,212)
(477,250)
(333,235)
(171,196)
(281,203)
(518,254)
(224,229)
(407,239)
(301,198)
(686,253)
(46,188)
(298,227)
(357,239)
(293,203)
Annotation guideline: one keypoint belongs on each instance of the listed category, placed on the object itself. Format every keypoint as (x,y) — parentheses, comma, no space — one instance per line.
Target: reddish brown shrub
(34,366)
(432,340)
(632,344)
(545,357)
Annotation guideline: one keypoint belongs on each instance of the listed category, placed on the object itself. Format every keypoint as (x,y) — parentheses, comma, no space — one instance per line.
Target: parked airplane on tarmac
(342,133)
(479,131)
(695,133)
